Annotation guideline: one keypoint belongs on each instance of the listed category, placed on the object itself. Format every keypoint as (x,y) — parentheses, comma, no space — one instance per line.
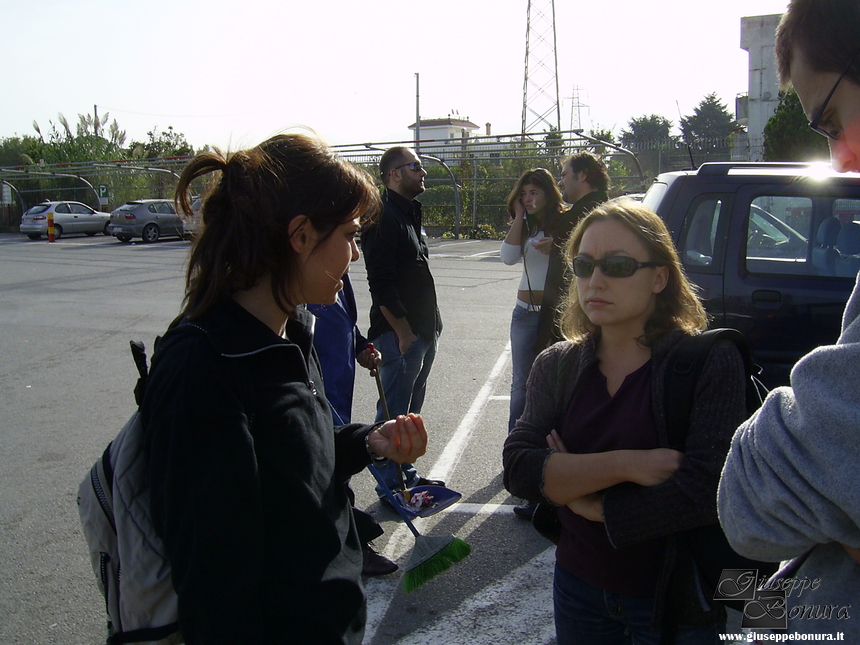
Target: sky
(233,73)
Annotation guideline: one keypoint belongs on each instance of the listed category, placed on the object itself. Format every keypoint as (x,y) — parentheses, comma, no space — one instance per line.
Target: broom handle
(397,506)
(387,414)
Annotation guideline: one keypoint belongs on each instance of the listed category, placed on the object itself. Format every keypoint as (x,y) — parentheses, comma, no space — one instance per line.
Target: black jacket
(395,254)
(556,280)
(248,484)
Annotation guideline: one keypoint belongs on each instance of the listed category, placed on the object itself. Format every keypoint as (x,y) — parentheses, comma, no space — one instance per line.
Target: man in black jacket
(404,317)
(584,182)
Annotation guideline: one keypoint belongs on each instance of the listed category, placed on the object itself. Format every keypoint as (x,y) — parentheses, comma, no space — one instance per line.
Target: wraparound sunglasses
(618,266)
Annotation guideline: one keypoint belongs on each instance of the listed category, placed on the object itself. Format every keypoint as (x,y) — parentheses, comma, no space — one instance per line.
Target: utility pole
(541,108)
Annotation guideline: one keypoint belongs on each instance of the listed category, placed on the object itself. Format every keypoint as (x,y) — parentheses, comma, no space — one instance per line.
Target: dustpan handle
(393,500)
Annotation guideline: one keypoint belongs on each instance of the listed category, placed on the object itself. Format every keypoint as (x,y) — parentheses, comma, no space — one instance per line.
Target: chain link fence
(467,184)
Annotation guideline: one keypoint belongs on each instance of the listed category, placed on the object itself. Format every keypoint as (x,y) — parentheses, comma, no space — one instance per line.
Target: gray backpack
(128,558)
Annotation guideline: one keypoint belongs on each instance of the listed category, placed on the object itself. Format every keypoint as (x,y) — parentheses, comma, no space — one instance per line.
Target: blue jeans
(404,382)
(524,326)
(586,615)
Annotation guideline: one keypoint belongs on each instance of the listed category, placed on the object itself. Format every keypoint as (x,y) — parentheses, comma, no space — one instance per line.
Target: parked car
(774,248)
(191,223)
(148,219)
(69,217)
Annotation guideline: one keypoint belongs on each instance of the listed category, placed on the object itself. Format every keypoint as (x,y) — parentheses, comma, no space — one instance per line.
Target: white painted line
(485,254)
(443,468)
(500,397)
(381,595)
(480,509)
(530,586)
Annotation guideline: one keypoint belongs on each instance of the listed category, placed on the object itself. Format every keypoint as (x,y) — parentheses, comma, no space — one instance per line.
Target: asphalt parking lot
(67,312)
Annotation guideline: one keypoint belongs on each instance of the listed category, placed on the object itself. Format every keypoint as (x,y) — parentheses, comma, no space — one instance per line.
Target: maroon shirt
(596,422)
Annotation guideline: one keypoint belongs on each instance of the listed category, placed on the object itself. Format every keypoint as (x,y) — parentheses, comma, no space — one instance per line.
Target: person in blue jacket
(248,474)
(339,345)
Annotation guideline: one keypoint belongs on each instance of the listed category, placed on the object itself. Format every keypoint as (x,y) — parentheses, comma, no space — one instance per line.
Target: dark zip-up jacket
(248,484)
(557,280)
(636,513)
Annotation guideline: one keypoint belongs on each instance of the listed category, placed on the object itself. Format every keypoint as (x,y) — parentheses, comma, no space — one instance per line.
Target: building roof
(448,121)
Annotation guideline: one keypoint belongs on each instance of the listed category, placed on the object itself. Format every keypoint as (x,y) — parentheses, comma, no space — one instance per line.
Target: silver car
(69,217)
(148,219)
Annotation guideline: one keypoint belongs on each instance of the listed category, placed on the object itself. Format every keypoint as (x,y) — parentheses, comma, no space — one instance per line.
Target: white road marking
(381,592)
(529,586)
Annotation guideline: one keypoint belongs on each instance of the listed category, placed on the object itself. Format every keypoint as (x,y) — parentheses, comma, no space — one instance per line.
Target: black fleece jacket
(248,484)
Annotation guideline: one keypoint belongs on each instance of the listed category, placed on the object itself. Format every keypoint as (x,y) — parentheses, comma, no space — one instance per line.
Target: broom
(430,556)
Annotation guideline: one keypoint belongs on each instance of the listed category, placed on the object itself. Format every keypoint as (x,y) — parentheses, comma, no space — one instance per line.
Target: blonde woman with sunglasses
(593,441)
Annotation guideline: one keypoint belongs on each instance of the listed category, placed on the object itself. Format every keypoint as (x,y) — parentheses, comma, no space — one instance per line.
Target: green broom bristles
(432,556)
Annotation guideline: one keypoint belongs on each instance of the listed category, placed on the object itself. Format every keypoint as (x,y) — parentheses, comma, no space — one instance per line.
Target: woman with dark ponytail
(248,477)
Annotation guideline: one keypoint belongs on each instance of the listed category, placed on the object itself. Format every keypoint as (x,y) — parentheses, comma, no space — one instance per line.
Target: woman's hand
(403,439)
(652,467)
(643,467)
(589,506)
(544,245)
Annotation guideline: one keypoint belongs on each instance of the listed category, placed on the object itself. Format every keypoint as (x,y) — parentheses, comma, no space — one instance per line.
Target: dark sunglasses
(412,165)
(815,123)
(618,266)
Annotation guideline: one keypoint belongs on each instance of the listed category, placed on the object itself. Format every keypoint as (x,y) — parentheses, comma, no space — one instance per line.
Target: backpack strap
(687,362)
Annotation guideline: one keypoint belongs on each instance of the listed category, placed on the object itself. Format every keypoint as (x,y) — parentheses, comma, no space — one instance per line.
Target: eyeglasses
(814,124)
(618,266)
(412,165)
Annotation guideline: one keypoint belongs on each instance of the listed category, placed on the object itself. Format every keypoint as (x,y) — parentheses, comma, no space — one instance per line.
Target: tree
(647,132)
(604,135)
(710,121)
(13,150)
(168,143)
(787,136)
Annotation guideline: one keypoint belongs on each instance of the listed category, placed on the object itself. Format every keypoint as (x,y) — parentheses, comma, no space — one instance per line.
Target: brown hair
(248,208)
(543,179)
(595,170)
(826,31)
(677,305)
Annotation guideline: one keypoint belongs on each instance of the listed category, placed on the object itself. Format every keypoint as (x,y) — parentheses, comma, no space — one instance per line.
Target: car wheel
(91,233)
(125,239)
(58,231)
(34,236)
(106,229)
(150,233)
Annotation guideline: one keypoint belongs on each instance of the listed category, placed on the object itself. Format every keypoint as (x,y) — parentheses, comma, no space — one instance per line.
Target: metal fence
(468,178)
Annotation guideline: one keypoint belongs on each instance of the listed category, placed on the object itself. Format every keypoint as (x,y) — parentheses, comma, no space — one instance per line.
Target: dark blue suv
(774,247)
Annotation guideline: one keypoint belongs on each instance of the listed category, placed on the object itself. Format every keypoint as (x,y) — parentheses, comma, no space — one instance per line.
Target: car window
(846,210)
(779,238)
(41,208)
(81,209)
(698,241)
(152,208)
(62,208)
(164,207)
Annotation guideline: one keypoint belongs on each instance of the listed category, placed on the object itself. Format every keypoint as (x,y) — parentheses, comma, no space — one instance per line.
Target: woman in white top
(534,205)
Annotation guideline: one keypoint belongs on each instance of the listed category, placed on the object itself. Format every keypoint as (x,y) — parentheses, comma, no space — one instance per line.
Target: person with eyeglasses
(789,488)
(584,184)
(593,440)
(404,316)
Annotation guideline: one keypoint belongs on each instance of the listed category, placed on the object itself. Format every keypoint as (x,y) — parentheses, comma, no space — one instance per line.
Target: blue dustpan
(442,499)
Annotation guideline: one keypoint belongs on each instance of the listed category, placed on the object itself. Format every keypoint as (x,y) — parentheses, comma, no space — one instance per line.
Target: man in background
(404,316)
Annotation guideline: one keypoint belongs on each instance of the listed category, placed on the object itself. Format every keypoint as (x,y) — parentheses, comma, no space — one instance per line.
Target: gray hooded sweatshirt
(790,484)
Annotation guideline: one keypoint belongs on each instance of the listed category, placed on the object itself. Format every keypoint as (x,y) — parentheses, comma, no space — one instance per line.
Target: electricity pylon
(541,108)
